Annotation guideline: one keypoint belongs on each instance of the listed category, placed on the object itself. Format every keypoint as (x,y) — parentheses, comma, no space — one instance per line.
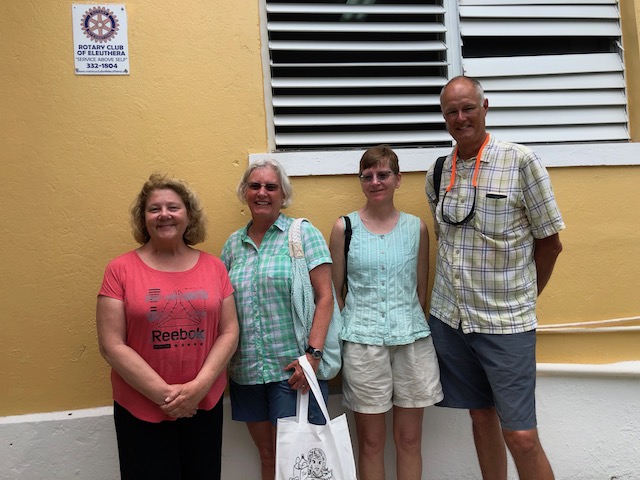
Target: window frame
(345,161)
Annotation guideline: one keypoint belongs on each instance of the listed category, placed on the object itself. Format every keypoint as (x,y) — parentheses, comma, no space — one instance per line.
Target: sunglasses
(271,187)
(465,220)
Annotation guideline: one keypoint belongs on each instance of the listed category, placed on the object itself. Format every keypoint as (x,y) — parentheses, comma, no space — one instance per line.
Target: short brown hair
(376,155)
(196,230)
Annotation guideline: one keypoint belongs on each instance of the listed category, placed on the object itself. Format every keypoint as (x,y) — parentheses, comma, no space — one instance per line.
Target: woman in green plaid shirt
(264,372)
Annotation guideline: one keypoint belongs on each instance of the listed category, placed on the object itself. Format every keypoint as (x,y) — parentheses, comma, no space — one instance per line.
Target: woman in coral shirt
(167,325)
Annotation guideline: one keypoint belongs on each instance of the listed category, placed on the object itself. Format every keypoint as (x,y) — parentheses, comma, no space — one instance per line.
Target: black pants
(184,449)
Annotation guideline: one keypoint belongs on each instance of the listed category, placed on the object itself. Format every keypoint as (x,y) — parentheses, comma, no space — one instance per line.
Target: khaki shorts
(376,378)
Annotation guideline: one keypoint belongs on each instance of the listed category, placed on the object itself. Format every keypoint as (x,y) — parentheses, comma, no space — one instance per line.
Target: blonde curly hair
(196,230)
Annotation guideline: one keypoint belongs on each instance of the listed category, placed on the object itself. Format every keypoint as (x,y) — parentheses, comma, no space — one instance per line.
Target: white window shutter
(552,71)
(356,73)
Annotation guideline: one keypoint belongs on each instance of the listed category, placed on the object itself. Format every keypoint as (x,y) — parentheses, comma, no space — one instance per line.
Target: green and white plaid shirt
(261,278)
(485,270)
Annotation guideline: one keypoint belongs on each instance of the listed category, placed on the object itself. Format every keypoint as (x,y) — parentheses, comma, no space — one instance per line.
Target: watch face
(315,353)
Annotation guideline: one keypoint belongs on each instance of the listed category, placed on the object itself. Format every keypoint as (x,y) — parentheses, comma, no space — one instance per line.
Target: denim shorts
(480,371)
(270,401)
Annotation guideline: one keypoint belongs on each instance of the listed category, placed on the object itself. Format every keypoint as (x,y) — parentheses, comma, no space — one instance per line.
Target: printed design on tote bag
(312,467)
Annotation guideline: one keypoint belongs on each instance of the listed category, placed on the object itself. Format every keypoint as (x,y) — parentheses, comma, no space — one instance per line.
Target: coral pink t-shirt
(172,322)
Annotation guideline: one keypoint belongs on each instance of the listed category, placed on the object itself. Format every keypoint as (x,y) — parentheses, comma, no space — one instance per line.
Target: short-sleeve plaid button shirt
(261,278)
(485,270)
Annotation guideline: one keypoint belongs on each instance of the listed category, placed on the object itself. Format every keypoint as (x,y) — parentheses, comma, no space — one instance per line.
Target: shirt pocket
(276,268)
(495,212)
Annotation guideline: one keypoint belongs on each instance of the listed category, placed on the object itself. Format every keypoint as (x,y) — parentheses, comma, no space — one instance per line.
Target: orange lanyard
(475,173)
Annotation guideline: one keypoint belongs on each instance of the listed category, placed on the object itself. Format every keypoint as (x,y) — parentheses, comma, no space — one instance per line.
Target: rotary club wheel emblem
(99,24)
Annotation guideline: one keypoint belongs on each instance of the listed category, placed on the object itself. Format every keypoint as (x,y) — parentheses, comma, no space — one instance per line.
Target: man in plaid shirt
(498,230)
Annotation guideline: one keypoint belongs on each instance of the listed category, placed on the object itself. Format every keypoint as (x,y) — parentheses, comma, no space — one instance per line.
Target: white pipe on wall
(619,369)
(587,327)
(589,330)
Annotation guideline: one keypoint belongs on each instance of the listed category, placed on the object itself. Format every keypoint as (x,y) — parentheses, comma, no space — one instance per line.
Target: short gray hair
(285,184)
(475,83)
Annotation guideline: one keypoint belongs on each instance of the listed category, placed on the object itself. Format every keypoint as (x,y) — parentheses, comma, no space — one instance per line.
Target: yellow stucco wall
(74,151)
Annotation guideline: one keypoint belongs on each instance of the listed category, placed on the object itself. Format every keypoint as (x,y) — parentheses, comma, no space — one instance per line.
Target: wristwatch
(315,353)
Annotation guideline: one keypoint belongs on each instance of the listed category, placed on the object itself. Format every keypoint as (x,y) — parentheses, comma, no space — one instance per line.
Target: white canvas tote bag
(305,451)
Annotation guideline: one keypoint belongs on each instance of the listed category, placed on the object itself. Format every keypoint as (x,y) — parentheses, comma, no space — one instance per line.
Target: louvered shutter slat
(357,46)
(346,8)
(538,28)
(543,65)
(565,116)
(380,119)
(358,82)
(578,133)
(581,81)
(347,27)
(557,99)
(527,12)
(354,100)
(354,138)
(533,2)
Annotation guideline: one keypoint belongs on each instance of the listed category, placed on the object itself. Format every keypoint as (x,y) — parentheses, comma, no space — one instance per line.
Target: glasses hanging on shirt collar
(472,213)
(465,220)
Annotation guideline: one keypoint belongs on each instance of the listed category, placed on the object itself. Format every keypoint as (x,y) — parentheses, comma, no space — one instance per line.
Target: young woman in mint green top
(389,362)
(391,259)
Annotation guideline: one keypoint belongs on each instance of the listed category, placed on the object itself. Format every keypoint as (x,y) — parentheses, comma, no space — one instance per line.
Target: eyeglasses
(381,176)
(271,187)
(466,219)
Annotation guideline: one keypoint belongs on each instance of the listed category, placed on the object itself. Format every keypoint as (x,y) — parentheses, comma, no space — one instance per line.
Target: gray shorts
(375,378)
(480,371)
